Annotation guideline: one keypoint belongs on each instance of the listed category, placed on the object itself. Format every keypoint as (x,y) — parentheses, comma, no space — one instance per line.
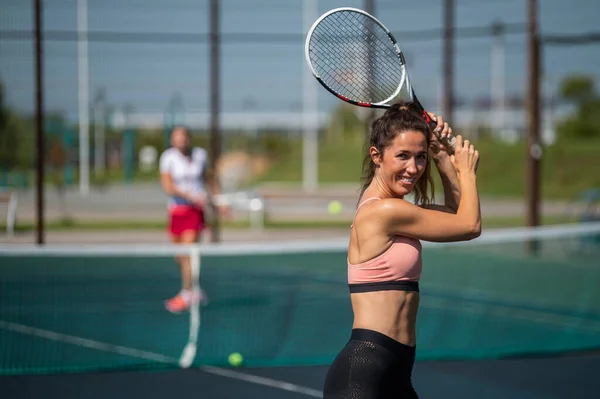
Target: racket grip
(448,142)
(451,142)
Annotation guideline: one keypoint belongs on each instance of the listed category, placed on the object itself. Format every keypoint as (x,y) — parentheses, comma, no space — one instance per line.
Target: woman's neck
(378,188)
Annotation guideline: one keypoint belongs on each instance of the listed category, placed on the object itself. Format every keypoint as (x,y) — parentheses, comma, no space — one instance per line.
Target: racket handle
(448,142)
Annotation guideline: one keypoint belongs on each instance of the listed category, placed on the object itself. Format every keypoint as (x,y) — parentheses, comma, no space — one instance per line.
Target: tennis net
(100,307)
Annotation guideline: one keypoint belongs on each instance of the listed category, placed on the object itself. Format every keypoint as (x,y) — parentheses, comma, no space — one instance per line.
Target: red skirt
(184,218)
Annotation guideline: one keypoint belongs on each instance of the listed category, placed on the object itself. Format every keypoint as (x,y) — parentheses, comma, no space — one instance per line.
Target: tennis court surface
(545,378)
(498,319)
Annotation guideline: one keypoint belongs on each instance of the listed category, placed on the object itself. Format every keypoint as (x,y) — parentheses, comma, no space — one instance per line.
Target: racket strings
(354,56)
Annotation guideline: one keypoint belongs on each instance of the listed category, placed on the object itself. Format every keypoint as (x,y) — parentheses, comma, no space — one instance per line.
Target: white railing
(10,201)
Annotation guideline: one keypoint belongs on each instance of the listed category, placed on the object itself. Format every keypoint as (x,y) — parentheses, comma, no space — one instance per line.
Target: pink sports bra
(398,268)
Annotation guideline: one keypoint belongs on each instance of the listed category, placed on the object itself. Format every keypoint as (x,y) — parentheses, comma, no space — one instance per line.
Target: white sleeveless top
(186,172)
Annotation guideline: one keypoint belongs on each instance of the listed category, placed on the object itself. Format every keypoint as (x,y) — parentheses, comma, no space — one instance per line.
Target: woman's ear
(376,155)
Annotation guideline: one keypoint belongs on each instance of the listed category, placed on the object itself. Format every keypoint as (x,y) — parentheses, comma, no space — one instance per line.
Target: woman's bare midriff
(392,313)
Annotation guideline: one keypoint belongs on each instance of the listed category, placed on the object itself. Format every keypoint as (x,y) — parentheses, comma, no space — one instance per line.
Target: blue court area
(499,318)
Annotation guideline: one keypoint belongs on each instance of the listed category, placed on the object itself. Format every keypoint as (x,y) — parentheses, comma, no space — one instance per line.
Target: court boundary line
(147,355)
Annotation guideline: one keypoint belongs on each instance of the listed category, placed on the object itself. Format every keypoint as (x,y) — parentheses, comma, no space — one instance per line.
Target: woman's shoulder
(168,151)
(377,209)
(199,152)
(385,212)
(168,155)
(386,204)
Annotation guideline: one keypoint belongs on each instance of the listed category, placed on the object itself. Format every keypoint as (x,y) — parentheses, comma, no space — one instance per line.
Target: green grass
(566,169)
(338,162)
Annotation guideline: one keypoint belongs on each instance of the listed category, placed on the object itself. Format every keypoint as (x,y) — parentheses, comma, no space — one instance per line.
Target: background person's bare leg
(183,299)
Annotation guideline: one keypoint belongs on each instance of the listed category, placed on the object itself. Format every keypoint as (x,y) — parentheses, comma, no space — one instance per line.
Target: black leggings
(371,366)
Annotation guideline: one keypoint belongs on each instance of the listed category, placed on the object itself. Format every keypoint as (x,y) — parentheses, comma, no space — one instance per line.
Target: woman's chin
(402,190)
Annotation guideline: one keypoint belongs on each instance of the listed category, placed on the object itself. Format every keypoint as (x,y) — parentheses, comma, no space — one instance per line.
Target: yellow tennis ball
(334,207)
(235,359)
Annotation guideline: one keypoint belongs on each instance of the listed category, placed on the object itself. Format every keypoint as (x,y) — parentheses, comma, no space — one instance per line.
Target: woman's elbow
(474,231)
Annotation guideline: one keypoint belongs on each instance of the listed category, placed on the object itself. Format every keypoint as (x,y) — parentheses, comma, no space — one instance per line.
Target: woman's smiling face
(403,162)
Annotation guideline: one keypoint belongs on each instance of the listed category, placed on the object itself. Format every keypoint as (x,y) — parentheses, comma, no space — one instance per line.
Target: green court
(288,305)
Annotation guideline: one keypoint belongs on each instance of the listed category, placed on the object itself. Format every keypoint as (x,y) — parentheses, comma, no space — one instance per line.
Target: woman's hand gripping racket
(357,59)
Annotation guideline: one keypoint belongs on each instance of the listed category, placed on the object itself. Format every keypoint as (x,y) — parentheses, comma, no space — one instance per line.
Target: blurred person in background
(384,252)
(187,180)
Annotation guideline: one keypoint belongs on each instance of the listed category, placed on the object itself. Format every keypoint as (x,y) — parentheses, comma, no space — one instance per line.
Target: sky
(263,74)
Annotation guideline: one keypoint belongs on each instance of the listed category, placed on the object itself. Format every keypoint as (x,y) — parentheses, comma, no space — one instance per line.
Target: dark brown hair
(401,117)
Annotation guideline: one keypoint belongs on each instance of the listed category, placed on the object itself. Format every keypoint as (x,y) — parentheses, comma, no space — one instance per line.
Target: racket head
(355,57)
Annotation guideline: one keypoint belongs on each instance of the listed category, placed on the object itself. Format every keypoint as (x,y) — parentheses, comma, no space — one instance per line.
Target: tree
(579,91)
(15,137)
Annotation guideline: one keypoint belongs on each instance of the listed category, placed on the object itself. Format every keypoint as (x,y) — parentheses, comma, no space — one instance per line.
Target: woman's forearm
(449,181)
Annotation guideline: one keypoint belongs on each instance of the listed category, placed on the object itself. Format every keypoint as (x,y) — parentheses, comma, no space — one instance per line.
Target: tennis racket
(357,59)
